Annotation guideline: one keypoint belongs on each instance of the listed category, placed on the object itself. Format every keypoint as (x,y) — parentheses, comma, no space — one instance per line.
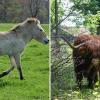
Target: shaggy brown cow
(86,57)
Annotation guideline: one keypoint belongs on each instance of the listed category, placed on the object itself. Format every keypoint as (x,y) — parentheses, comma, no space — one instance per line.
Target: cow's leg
(96,78)
(79,78)
(78,68)
(90,83)
(13,64)
(17,60)
(92,78)
(79,75)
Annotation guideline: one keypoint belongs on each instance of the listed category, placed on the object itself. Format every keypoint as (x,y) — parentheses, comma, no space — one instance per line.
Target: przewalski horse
(12,43)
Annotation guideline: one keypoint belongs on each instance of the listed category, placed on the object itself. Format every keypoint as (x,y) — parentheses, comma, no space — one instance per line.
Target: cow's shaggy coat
(86,57)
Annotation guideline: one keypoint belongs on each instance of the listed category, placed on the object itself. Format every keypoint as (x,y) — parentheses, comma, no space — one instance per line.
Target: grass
(35,67)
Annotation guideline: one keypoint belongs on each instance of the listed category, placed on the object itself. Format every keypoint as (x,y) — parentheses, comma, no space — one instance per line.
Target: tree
(19,10)
(29,9)
(90,11)
(57,12)
(33,4)
(9,10)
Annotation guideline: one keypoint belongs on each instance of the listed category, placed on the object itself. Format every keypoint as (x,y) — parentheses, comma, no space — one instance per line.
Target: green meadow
(35,67)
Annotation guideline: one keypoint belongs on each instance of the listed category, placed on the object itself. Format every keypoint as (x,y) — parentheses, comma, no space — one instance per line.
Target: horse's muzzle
(46,41)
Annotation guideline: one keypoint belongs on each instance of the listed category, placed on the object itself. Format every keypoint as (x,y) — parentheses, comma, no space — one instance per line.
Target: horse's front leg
(17,60)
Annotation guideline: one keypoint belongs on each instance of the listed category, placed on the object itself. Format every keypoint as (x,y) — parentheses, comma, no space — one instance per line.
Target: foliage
(35,64)
(52,12)
(60,11)
(89,9)
(87,6)
(92,21)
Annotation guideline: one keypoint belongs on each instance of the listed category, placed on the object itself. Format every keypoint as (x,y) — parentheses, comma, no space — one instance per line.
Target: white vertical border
(49,49)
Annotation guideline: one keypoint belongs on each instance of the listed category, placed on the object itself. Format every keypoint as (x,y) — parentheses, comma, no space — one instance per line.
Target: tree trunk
(98,28)
(4,11)
(56,16)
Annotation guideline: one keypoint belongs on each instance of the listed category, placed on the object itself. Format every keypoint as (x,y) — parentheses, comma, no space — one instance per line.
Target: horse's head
(37,31)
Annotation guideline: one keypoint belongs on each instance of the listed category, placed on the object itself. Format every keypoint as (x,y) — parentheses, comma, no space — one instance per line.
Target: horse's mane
(32,20)
(16,27)
(28,20)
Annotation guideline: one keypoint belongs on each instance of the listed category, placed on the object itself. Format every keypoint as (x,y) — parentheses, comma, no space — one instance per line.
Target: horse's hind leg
(17,60)
(13,64)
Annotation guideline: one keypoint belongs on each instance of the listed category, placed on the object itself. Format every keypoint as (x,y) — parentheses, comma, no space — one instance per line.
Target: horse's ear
(35,16)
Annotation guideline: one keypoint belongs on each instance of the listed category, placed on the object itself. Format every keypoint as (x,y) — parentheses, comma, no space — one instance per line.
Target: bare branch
(63,19)
(37,9)
(33,14)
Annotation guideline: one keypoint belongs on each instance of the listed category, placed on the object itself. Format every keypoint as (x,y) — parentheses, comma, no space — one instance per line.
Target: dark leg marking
(9,70)
(17,60)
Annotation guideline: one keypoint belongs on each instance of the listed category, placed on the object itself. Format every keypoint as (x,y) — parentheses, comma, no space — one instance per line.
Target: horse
(13,42)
